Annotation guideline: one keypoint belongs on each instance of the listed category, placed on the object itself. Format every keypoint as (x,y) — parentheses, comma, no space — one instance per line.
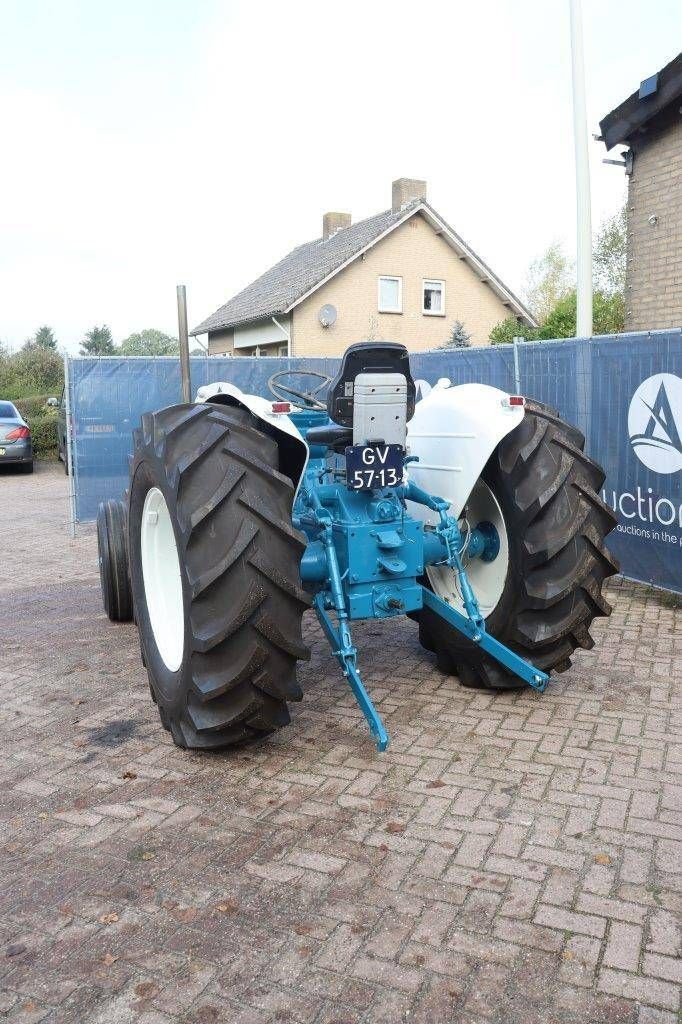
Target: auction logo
(655,421)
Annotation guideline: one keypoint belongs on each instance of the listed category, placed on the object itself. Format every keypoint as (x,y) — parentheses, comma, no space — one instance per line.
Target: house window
(433,302)
(390,294)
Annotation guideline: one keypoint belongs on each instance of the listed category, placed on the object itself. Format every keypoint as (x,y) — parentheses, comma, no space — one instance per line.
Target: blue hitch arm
(472,625)
(511,661)
(339,637)
(346,654)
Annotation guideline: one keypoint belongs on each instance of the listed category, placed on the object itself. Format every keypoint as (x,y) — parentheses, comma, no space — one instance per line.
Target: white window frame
(433,312)
(390,277)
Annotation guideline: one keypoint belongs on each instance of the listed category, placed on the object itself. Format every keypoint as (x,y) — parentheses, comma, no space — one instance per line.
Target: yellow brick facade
(653,290)
(414,252)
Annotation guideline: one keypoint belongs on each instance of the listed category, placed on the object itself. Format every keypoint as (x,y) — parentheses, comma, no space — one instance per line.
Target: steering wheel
(306,399)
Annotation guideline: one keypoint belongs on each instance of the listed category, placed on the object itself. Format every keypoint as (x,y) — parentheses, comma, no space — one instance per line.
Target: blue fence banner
(624,392)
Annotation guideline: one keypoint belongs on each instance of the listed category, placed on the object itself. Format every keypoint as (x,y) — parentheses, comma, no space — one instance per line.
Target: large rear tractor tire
(544,491)
(112,551)
(215,571)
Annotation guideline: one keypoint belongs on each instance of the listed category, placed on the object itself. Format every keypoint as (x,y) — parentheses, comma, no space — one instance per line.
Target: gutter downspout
(285,333)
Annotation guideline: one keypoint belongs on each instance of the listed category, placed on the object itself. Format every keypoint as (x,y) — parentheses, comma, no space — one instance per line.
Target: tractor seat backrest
(385,357)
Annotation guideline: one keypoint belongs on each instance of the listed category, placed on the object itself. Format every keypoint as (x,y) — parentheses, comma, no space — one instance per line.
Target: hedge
(44,434)
(32,407)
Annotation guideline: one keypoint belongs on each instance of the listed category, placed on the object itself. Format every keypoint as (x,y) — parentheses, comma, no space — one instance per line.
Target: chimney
(333,222)
(405,190)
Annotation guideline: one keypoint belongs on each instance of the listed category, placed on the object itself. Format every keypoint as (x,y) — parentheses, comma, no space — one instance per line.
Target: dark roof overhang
(630,120)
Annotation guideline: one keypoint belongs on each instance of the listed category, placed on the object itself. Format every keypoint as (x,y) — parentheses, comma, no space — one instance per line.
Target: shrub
(459,336)
(505,332)
(608,316)
(44,434)
(32,407)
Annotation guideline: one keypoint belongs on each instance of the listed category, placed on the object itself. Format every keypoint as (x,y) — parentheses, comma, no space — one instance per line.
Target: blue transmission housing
(366,558)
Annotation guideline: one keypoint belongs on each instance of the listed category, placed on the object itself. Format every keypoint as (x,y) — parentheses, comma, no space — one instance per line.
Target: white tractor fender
(262,409)
(454,431)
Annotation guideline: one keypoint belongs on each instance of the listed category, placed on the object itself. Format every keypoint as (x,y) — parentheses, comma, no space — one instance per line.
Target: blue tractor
(474,512)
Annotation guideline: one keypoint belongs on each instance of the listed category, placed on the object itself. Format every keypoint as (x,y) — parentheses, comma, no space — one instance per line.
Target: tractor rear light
(18,434)
(516,400)
(281,406)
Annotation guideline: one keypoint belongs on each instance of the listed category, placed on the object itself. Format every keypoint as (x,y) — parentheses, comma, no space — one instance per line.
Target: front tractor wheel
(544,588)
(113,561)
(214,566)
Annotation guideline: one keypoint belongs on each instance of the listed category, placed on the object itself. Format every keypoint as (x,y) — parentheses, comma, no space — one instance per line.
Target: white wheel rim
(486,578)
(162,580)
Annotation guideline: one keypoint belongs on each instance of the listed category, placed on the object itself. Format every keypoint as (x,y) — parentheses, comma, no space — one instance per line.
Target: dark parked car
(16,446)
(62,432)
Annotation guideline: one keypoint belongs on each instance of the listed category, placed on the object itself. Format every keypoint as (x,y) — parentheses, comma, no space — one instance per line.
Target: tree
(31,371)
(98,342)
(505,332)
(607,316)
(459,336)
(608,255)
(45,338)
(549,278)
(150,342)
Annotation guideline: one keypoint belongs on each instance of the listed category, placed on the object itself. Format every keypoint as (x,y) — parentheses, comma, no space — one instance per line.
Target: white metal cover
(454,431)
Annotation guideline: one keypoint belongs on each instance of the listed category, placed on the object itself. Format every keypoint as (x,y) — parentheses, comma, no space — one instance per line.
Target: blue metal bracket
(477,633)
(473,623)
(339,636)
(346,655)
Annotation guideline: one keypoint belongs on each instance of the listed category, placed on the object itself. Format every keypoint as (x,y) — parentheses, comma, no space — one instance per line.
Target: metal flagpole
(184,345)
(582,176)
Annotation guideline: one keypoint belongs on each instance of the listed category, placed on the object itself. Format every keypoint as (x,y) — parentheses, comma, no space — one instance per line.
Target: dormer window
(433,303)
(390,295)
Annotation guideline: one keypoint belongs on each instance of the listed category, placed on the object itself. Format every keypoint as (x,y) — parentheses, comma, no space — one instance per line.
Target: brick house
(403,275)
(650,123)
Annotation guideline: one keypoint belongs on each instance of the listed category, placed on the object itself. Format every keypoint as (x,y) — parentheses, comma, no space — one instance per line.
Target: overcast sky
(151,143)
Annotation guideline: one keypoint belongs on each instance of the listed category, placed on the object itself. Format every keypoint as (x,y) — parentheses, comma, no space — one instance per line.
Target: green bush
(31,407)
(44,434)
(505,332)
(608,315)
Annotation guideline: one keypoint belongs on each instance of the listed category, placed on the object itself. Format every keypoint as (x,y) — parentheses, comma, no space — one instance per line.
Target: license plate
(2,451)
(100,428)
(372,466)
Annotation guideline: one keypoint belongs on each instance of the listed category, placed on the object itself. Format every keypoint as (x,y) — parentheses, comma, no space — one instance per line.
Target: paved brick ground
(511,859)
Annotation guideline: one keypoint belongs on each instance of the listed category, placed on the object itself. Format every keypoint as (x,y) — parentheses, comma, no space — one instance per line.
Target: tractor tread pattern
(551,486)
(113,560)
(240,557)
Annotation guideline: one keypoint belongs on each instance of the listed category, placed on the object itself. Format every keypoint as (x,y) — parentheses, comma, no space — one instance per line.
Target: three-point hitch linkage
(367,556)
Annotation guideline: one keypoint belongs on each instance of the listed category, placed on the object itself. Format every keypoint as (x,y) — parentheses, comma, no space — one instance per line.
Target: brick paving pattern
(511,859)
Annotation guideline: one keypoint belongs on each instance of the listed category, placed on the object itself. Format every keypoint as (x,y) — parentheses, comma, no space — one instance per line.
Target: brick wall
(221,343)
(654,268)
(414,252)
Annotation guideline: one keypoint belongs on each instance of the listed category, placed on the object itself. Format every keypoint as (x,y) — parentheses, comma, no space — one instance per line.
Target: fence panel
(636,429)
(625,394)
